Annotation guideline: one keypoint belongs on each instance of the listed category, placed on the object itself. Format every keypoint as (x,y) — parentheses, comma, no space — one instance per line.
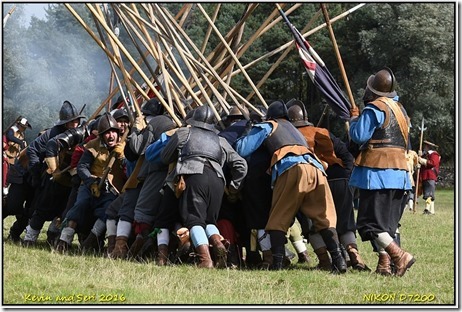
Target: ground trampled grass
(39,276)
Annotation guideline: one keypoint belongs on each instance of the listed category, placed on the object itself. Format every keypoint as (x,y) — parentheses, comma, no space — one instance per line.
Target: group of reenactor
(225,198)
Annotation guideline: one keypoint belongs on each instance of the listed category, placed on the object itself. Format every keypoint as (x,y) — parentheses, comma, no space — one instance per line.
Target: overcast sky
(37,9)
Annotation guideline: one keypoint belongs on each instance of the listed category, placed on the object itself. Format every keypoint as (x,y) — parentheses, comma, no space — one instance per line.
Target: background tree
(52,60)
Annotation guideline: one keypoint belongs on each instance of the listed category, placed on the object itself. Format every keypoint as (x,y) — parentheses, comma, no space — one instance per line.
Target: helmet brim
(201,124)
(301,123)
(62,122)
(385,94)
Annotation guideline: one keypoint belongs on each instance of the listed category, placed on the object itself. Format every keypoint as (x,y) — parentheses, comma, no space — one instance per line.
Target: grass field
(38,276)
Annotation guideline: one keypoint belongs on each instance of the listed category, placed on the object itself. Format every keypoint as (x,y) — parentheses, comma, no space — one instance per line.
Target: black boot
(330,238)
(278,257)
(252,259)
(278,241)
(18,228)
(234,257)
(90,245)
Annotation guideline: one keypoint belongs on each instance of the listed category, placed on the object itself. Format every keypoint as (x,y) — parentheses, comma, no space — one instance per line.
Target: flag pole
(337,54)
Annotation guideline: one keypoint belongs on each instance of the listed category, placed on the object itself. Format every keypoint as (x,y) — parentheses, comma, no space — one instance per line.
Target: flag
(319,74)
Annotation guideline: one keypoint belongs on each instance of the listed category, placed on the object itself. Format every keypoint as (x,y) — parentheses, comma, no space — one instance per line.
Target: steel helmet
(202,118)
(152,107)
(277,109)
(297,116)
(383,83)
(120,113)
(256,117)
(107,122)
(67,113)
(236,113)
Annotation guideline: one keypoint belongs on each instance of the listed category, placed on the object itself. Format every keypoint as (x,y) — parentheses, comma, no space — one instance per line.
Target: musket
(422,129)
(7,16)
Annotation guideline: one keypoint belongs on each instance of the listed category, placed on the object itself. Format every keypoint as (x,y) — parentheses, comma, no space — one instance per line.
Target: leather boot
(401,259)
(111,241)
(357,263)
(267,260)
(120,249)
(303,257)
(324,259)
(52,238)
(330,238)
(205,261)
(62,247)
(234,259)
(253,259)
(219,250)
(18,228)
(383,266)
(278,257)
(138,244)
(90,244)
(338,262)
(162,255)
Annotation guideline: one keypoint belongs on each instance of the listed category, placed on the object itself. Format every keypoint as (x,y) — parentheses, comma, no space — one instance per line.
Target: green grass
(89,280)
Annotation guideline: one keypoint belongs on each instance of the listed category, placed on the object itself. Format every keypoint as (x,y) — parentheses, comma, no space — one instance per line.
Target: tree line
(54,59)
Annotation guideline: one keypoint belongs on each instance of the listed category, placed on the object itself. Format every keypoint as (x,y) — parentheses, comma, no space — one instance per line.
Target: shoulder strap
(402,120)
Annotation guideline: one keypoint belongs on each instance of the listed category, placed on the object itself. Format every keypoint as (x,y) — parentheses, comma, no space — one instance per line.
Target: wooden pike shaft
(183,50)
(135,43)
(197,80)
(122,67)
(209,29)
(238,63)
(337,54)
(284,46)
(416,194)
(282,57)
(140,71)
(108,53)
(217,54)
(174,67)
(210,67)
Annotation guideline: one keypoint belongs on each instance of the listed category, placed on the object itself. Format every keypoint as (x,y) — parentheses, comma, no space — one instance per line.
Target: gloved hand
(232,194)
(119,151)
(52,163)
(418,166)
(139,123)
(23,144)
(354,111)
(95,192)
(419,153)
(57,174)
(422,161)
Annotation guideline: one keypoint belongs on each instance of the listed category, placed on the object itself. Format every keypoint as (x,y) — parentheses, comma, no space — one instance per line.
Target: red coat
(431,170)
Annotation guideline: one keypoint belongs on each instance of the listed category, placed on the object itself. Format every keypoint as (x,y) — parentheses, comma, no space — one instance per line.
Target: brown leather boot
(324,259)
(303,257)
(234,257)
(356,261)
(120,249)
(402,259)
(90,245)
(267,260)
(383,266)
(139,242)
(204,257)
(111,241)
(219,250)
(162,255)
